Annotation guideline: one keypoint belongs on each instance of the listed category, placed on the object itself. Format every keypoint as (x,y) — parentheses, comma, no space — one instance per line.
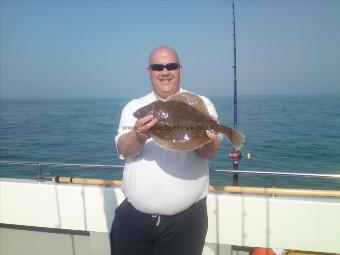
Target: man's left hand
(208,150)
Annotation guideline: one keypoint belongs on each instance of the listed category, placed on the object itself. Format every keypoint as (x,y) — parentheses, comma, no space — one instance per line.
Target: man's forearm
(208,150)
(131,144)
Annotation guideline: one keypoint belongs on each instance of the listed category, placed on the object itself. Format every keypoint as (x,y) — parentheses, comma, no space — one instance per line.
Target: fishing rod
(235,155)
(234,67)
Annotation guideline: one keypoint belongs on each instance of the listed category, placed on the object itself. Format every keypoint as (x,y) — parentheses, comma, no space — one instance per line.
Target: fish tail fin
(236,138)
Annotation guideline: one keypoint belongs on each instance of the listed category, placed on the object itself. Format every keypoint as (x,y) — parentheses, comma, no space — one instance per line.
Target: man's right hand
(132,143)
(143,126)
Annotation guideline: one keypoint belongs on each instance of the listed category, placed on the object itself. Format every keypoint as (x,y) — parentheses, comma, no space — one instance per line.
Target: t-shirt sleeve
(126,124)
(210,106)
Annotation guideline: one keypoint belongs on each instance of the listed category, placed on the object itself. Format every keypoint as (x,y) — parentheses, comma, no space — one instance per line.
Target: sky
(86,49)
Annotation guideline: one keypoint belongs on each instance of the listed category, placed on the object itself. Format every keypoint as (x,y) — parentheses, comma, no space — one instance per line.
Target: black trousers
(136,233)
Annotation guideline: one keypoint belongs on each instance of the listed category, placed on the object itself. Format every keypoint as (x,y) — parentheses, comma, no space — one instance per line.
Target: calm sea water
(284,133)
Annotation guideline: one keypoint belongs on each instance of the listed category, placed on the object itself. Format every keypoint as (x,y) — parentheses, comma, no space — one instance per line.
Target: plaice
(182,123)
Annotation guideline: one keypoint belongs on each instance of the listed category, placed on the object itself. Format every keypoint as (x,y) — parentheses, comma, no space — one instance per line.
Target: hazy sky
(86,48)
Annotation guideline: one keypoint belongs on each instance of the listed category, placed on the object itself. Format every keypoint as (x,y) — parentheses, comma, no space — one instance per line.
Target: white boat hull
(76,219)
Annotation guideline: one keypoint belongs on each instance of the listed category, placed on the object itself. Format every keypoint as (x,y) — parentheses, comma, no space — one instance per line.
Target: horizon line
(126,96)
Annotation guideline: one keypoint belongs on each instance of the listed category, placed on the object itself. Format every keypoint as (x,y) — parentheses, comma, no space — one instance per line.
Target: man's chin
(166,85)
(165,94)
(166,91)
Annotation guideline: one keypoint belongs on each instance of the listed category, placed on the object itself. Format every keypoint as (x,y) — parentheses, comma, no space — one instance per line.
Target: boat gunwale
(250,172)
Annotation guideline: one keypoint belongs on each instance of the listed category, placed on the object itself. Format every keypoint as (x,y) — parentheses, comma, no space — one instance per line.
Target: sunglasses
(160,67)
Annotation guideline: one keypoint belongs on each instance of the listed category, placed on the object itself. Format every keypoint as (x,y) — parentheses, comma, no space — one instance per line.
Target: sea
(287,133)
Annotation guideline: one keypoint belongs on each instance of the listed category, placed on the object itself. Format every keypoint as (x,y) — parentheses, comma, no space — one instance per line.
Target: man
(165,207)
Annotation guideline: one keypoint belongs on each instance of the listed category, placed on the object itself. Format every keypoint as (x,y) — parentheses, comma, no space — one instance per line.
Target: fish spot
(162,115)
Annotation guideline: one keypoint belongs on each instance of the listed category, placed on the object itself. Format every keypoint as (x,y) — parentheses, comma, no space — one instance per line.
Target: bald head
(162,50)
(165,81)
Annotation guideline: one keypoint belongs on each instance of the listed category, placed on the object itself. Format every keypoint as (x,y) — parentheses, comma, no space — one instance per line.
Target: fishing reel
(235,156)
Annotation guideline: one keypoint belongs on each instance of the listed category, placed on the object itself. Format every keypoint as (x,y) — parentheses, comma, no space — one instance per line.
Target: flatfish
(182,123)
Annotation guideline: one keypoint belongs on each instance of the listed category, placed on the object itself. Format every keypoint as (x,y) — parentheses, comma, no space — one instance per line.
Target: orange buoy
(266,251)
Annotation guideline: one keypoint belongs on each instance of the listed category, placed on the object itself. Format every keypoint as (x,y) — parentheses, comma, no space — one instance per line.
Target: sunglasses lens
(160,67)
(172,66)
(157,67)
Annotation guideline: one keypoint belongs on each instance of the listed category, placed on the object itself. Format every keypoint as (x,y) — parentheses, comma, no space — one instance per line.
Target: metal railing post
(39,176)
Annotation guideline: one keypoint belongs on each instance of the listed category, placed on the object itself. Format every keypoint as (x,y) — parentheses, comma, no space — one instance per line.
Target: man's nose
(165,72)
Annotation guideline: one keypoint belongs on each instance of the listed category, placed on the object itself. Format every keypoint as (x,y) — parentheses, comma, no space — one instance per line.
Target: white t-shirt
(160,181)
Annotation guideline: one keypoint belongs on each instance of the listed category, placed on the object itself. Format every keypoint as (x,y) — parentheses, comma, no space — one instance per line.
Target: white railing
(272,174)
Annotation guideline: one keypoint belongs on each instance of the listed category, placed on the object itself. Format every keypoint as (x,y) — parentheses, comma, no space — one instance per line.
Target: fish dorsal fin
(192,100)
